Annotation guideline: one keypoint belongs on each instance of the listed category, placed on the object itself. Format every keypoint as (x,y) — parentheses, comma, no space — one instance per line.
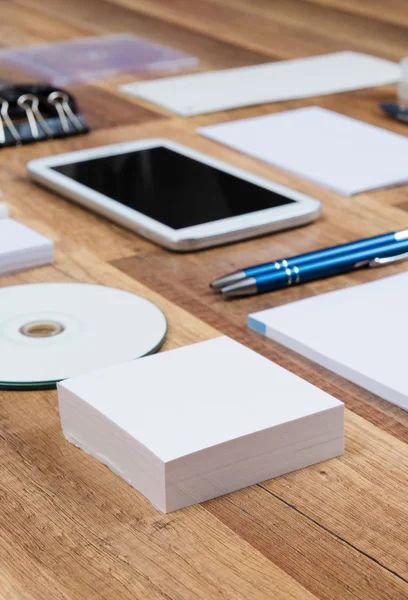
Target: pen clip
(381,262)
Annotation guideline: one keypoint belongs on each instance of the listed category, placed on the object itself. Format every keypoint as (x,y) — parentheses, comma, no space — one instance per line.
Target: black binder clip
(67,118)
(32,113)
(6,125)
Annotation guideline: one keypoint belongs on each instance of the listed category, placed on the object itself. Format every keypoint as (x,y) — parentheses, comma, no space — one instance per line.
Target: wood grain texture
(69,528)
(396,10)
(263,31)
(104,17)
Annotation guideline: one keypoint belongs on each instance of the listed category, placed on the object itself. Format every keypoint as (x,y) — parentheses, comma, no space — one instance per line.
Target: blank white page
(192,398)
(360,333)
(343,154)
(284,80)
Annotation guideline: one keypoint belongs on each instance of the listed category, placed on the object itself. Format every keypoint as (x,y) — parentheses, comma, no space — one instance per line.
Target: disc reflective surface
(52,331)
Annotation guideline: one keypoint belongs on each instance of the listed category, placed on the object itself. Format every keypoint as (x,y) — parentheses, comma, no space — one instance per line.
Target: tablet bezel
(302,211)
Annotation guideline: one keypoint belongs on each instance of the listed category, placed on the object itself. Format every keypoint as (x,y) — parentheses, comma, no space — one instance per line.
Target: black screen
(173,189)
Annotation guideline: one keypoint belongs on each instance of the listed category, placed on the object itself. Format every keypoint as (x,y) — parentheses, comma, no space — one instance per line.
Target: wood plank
(236,27)
(28,26)
(263,33)
(369,493)
(299,545)
(354,32)
(107,17)
(104,108)
(393,11)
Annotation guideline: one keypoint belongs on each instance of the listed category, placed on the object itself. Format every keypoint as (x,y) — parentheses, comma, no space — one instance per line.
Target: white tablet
(173,195)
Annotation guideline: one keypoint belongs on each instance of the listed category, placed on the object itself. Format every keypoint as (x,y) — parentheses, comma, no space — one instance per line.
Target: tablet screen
(171,188)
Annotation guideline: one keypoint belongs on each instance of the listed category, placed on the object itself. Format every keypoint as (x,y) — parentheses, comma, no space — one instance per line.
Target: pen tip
(217,284)
(247,287)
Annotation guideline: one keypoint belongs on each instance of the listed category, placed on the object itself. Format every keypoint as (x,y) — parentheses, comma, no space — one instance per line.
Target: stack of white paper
(22,247)
(359,332)
(190,424)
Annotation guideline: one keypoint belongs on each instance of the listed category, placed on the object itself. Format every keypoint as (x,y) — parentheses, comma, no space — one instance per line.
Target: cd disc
(52,331)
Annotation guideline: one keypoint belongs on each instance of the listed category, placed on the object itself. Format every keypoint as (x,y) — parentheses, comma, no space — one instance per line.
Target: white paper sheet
(359,333)
(337,152)
(284,80)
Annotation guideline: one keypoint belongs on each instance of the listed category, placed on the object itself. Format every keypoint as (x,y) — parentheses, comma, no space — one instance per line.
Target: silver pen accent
(30,103)
(241,288)
(380,262)
(228,280)
(8,123)
(401,235)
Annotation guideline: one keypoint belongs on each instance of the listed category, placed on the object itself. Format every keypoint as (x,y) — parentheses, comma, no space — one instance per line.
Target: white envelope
(284,80)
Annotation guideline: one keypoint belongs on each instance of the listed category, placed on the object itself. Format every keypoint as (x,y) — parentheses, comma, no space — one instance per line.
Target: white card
(22,247)
(359,333)
(284,80)
(337,152)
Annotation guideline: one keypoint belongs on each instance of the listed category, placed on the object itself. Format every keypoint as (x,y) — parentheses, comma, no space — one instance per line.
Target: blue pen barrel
(325,253)
(327,267)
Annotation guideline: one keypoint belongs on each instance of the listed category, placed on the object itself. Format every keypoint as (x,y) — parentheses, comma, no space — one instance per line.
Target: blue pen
(367,257)
(395,112)
(318,255)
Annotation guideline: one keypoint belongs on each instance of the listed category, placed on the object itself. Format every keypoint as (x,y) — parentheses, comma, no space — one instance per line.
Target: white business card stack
(190,424)
(21,247)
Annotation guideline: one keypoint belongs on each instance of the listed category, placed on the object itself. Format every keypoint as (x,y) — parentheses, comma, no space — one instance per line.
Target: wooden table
(70,529)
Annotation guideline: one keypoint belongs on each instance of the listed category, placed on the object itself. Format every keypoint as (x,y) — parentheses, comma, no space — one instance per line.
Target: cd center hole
(42,329)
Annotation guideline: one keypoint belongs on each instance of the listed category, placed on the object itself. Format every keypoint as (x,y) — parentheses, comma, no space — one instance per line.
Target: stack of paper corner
(21,247)
(198,422)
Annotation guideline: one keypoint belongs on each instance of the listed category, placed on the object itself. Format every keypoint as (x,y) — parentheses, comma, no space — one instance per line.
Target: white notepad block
(359,332)
(22,248)
(273,82)
(335,151)
(198,422)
